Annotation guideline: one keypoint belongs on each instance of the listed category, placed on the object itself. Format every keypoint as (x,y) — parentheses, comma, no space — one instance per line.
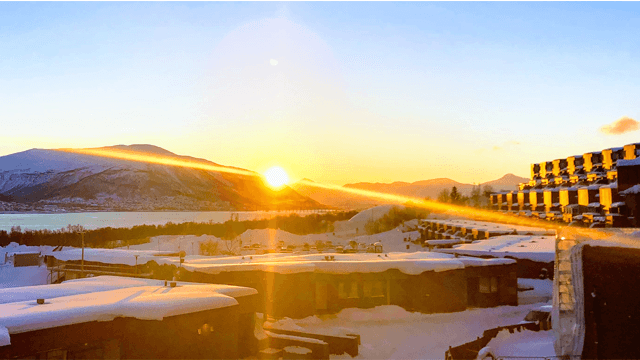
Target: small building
(122,318)
(27,259)
(300,286)
(533,253)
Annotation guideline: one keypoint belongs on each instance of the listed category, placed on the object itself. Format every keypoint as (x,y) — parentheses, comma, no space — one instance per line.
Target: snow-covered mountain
(87,182)
(419,189)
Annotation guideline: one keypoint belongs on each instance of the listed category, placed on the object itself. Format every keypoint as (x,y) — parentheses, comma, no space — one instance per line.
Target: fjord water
(95,220)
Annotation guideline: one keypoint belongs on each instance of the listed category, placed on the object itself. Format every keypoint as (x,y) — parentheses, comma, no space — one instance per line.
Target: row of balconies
(594,202)
(597,162)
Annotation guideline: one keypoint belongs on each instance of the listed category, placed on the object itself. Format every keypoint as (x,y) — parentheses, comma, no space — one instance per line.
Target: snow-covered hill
(70,179)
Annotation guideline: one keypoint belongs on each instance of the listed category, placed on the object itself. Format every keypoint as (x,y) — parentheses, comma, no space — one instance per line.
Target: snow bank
(390,332)
(535,248)
(522,344)
(22,276)
(541,291)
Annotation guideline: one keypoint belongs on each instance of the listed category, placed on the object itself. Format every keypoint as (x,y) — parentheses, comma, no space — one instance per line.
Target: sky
(330,91)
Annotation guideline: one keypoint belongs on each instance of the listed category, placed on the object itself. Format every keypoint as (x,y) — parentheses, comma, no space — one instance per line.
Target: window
(373,289)
(351,287)
(488,285)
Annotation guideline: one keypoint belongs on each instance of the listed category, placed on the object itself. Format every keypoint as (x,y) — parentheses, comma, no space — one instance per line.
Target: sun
(276,177)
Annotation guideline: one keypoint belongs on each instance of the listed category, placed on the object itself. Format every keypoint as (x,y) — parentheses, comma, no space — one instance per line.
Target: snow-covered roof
(145,302)
(409,263)
(633,162)
(536,248)
(635,189)
(102,283)
(109,256)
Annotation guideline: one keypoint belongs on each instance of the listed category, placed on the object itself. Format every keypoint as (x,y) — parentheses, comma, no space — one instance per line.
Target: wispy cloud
(621,126)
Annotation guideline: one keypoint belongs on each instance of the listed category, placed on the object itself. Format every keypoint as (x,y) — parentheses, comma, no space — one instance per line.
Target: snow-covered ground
(390,332)
(22,276)
(521,344)
(531,291)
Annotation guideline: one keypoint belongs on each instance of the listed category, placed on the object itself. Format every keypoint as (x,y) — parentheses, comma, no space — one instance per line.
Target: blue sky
(360,92)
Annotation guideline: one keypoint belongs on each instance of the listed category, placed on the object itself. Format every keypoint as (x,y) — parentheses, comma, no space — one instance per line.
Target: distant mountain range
(420,189)
(53,180)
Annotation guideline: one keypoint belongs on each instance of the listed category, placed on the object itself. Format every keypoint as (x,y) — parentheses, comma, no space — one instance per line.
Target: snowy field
(390,332)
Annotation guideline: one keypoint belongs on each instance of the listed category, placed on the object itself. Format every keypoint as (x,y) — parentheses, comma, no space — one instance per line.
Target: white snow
(144,302)
(103,283)
(390,332)
(535,248)
(104,298)
(522,344)
(540,291)
(635,189)
(5,339)
(632,162)
(22,276)
(408,263)
(109,256)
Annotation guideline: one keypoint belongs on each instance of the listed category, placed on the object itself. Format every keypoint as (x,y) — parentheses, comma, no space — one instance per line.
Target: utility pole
(82,263)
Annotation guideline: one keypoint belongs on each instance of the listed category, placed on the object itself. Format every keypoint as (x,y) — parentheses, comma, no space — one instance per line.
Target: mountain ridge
(38,179)
(420,189)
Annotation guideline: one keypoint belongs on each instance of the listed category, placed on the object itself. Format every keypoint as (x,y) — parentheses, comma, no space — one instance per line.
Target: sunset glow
(276,177)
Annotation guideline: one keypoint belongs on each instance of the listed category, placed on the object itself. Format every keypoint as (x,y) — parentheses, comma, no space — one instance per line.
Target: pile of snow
(390,332)
(523,343)
(356,224)
(393,240)
(531,291)
(535,248)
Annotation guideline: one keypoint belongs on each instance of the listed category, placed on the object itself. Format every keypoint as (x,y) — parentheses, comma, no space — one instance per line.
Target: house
(109,317)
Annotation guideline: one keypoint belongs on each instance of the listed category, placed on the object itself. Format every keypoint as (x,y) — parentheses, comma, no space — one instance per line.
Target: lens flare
(280,177)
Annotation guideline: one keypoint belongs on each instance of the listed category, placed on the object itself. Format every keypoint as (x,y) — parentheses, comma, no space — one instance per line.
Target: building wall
(305,294)
(611,302)
(129,338)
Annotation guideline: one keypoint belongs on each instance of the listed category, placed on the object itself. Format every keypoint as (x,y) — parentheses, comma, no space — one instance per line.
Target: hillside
(420,189)
(51,179)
